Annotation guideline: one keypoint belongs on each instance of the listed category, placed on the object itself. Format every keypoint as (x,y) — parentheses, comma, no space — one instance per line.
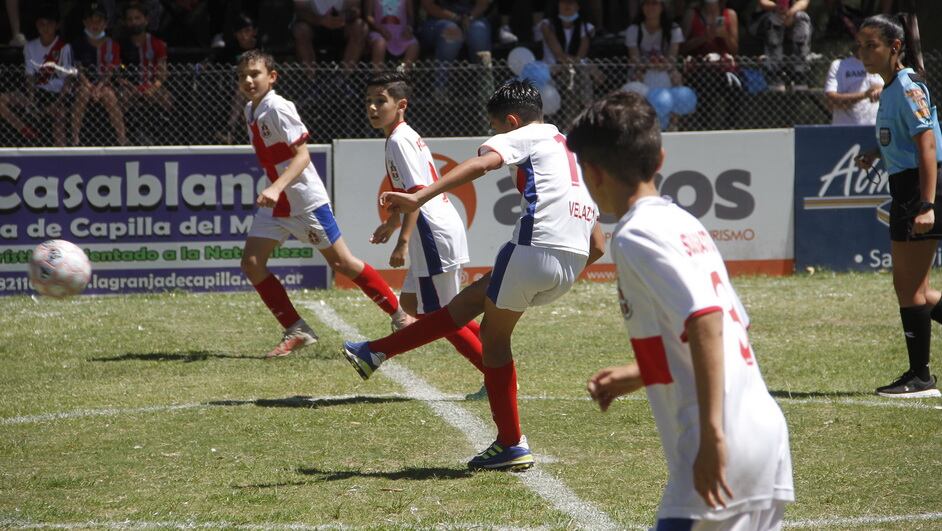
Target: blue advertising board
(149,219)
(841,212)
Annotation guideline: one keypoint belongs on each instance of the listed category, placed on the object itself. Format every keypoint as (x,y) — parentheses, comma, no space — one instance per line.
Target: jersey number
(573,171)
(745,350)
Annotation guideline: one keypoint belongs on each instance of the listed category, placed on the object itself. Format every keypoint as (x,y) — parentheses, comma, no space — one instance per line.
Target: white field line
(114,411)
(831,523)
(17,523)
(480,436)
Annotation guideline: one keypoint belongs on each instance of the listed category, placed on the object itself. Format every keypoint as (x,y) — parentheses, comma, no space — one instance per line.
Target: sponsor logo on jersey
(918,98)
(266,132)
(313,237)
(885,136)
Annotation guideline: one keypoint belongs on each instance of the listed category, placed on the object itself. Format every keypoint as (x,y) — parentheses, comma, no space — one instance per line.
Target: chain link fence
(199,104)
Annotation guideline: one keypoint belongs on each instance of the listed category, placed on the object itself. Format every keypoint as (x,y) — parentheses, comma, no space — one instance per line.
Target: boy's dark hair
(395,84)
(256,55)
(621,134)
(137,6)
(518,97)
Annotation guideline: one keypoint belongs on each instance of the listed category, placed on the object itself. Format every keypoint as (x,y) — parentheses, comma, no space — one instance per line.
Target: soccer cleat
(362,358)
(496,457)
(910,386)
(297,336)
(400,320)
(481,394)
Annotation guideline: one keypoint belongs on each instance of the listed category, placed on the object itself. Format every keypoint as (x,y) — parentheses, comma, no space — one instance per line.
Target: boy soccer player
(438,251)
(550,247)
(724,437)
(294,203)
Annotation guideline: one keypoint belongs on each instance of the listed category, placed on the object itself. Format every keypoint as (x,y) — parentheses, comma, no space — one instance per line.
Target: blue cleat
(496,457)
(362,358)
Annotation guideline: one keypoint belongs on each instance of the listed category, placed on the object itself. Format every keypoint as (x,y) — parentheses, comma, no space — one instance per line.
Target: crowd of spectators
(668,42)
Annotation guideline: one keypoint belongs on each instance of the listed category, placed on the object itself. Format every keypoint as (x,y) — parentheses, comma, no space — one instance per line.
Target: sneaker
(910,386)
(400,320)
(218,41)
(496,457)
(297,336)
(18,40)
(505,36)
(362,358)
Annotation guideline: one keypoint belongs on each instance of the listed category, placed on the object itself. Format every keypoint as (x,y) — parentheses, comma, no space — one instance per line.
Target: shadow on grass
(820,394)
(410,474)
(186,357)
(311,402)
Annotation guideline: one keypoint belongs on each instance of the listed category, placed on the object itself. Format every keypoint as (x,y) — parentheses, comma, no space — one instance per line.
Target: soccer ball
(59,269)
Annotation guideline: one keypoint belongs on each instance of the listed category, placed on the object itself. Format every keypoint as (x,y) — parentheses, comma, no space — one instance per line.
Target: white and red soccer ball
(59,269)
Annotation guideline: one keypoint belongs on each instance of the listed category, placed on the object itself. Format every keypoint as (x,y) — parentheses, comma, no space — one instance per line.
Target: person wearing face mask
(566,35)
(97,55)
(144,56)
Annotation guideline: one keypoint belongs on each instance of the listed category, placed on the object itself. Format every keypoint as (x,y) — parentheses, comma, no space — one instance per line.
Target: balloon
(754,81)
(685,100)
(538,72)
(636,87)
(551,99)
(665,121)
(518,58)
(661,100)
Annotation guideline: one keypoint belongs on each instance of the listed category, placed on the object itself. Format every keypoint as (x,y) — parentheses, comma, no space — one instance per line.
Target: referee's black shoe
(910,386)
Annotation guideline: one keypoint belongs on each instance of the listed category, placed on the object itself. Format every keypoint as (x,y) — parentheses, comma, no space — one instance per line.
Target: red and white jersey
(556,211)
(275,128)
(35,55)
(439,242)
(669,271)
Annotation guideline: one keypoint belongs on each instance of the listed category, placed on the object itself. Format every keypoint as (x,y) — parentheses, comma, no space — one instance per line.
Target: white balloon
(551,99)
(518,58)
(637,87)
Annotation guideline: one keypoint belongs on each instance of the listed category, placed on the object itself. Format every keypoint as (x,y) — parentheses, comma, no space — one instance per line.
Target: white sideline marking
(479,435)
(830,523)
(14,523)
(105,412)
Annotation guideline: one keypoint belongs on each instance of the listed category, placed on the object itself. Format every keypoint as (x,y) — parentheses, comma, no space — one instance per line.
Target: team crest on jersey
(313,237)
(394,173)
(885,136)
(626,310)
(266,132)
(918,97)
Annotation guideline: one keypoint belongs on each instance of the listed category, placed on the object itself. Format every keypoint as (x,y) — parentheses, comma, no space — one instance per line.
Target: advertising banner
(149,219)
(740,184)
(841,212)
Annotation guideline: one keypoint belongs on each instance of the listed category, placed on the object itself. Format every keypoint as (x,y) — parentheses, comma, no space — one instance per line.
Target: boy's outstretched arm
(299,161)
(608,384)
(463,173)
(705,334)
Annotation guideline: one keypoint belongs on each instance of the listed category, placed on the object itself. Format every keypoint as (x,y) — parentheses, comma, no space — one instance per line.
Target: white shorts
(762,520)
(317,227)
(525,276)
(433,292)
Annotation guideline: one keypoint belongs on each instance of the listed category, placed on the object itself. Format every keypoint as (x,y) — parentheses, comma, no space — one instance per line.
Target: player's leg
(911,264)
(367,356)
(264,236)
(442,288)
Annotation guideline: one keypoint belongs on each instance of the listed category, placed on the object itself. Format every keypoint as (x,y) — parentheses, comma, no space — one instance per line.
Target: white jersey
(556,211)
(275,128)
(669,270)
(35,55)
(439,242)
(848,75)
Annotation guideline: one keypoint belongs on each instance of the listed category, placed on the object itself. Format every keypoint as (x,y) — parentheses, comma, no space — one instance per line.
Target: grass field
(157,411)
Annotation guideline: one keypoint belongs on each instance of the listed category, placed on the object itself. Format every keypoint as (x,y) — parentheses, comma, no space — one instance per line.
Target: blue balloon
(685,100)
(661,100)
(665,121)
(754,80)
(537,72)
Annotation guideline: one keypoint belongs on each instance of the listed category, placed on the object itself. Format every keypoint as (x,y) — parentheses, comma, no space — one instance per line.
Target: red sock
(468,344)
(476,328)
(274,296)
(501,384)
(377,289)
(430,327)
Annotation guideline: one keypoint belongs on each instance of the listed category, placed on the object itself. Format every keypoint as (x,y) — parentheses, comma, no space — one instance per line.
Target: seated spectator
(48,61)
(98,56)
(245,39)
(710,28)
(653,42)
(853,94)
(186,23)
(711,33)
(391,22)
(331,23)
(13,16)
(567,35)
(145,57)
(453,23)
(777,21)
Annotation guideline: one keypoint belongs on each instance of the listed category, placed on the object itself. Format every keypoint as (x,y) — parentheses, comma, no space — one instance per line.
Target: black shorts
(904,190)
